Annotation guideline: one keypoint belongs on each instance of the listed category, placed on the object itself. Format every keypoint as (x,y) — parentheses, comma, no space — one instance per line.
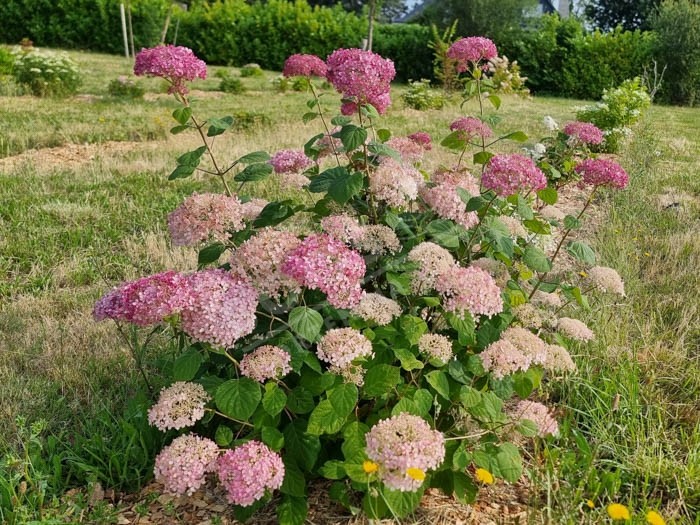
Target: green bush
(46,73)
(7,61)
(231,85)
(251,70)
(421,96)
(407,46)
(125,87)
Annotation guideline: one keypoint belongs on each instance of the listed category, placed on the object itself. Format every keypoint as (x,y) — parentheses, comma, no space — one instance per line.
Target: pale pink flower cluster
(180,405)
(410,150)
(361,76)
(290,161)
(470,128)
(496,269)
(526,342)
(515,227)
(205,216)
(433,261)
(342,227)
(538,414)
(436,346)
(328,265)
(341,346)
(443,199)
(377,239)
(528,315)
(469,289)
(502,358)
(249,470)
(558,359)
(404,442)
(470,50)
(607,280)
(422,138)
(260,259)
(145,301)
(375,307)
(551,300)
(182,466)
(252,208)
(350,373)
(575,329)
(395,183)
(176,64)
(584,132)
(602,172)
(301,65)
(293,181)
(266,362)
(508,174)
(222,308)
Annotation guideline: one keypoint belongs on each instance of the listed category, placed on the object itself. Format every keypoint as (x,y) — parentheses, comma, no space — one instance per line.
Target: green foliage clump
(421,96)
(7,61)
(444,69)
(407,46)
(251,70)
(125,87)
(233,85)
(46,73)
(616,112)
(505,76)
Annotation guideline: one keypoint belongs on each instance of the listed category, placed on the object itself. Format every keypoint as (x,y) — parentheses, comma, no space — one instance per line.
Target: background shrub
(251,70)
(421,96)
(7,61)
(407,46)
(125,87)
(230,84)
(46,73)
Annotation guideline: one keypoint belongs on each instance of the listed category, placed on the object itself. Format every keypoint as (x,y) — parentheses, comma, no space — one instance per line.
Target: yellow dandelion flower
(654,518)
(647,254)
(484,476)
(583,274)
(590,504)
(618,512)
(415,473)
(370,467)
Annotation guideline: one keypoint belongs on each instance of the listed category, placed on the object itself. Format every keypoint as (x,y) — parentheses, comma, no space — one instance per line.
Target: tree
(630,14)
(388,9)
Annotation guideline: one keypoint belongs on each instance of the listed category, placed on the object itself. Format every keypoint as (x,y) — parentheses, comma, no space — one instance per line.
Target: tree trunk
(370,32)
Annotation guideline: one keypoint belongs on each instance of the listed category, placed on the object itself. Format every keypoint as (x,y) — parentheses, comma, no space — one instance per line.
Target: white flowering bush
(393,347)
(46,73)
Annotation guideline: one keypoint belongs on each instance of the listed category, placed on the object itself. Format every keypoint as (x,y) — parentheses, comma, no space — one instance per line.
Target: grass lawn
(83,200)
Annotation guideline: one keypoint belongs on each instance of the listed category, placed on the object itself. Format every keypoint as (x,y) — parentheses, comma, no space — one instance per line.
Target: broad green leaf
(192,158)
(445,233)
(571,223)
(345,187)
(495,101)
(274,213)
(413,328)
(306,322)
(469,397)
(523,208)
(238,398)
(381,379)
(423,400)
(582,252)
(400,282)
(308,117)
(182,115)
(351,136)
(333,469)
(354,440)
(438,380)
(407,359)
(300,401)
(538,227)
(548,195)
(223,436)
(343,398)
(254,172)
(273,438)
(254,157)
(464,325)
(292,510)
(325,420)
(300,445)
(473,203)
(527,428)
(377,148)
(509,462)
(186,366)
(488,409)
(482,157)
(457,372)
(536,259)
(518,136)
(178,129)
(210,254)
(461,457)
(401,504)
(181,172)
(454,141)
(274,400)
(383,134)
(218,125)
(321,182)
(294,483)
(522,385)
(407,406)
(340,120)
(465,490)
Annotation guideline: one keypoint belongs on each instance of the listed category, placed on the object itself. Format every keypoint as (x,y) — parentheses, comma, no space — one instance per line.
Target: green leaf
(354,440)
(469,397)
(522,385)
(274,213)
(377,148)
(306,322)
(339,493)
(457,372)
(340,120)
(294,483)
(407,359)
(536,259)
(274,400)
(380,379)
(523,208)
(582,252)
(273,438)
(400,282)
(538,227)
(186,366)
(300,445)
(401,504)
(333,469)
(527,428)
(383,134)
(321,182)
(488,409)
(454,141)
(473,203)
(343,398)
(223,436)
(254,172)
(345,187)
(356,473)
(495,101)
(308,117)
(181,172)
(325,420)
(571,223)
(300,401)
(461,457)
(407,406)
(178,129)
(464,325)
(518,136)
(218,125)
(413,328)
(445,233)
(238,398)
(292,510)
(211,253)
(548,195)
(438,380)
(254,157)
(182,115)
(509,462)
(482,157)
(191,158)
(465,490)
(351,136)
(423,400)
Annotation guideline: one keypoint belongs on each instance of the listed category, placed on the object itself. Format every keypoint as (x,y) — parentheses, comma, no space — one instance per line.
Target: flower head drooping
(377,308)
(502,358)
(473,49)
(222,308)
(343,228)
(377,239)
(300,65)
(182,465)
(247,471)
(538,414)
(433,261)
(341,346)
(176,64)
(395,183)
(266,362)
(401,443)
(362,77)
(469,289)
(260,259)
(607,280)
(558,359)
(328,265)
(583,133)
(422,138)
(575,329)
(509,174)
(470,128)
(527,342)
(205,216)
(180,405)
(290,161)
(618,512)
(602,172)
(145,301)
(436,346)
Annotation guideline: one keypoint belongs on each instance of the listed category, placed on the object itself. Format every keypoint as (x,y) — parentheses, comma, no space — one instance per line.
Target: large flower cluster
(602,172)
(304,66)
(443,199)
(341,346)
(503,358)
(409,149)
(575,329)
(395,183)
(584,133)
(433,261)
(607,280)
(145,301)
(362,77)
(328,265)
(539,414)
(342,227)
(266,362)
(466,51)
(180,405)
(205,216)
(182,466)
(469,128)
(247,471)
(436,346)
(469,289)
(527,343)
(509,174)
(221,308)
(290,161)
(377,308)
(176,64)
(404,446)
(378,239)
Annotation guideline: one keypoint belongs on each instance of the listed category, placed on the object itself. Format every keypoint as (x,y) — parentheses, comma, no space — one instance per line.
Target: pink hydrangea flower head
(145,301)
(342,227)
(433,261)
(341,346)
(558,359)
(290,161)
(180,405)
(508,174)
(469,289)
(377,308)
(205,216)
(444,200)
(436,346)
(326,264)
(252,208)
(410,150)
(249,470)
(527,342)
(422,138)
(602,172)
(266,362)
(176,64)
(607,280)
(502,358)
(377,239)
(301,65)
(470,128)
(182,466)
(538,414)
(362,77)
(404,442)
(584,133)
(222,308)
(395,183)
(473,49)
(575,329)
